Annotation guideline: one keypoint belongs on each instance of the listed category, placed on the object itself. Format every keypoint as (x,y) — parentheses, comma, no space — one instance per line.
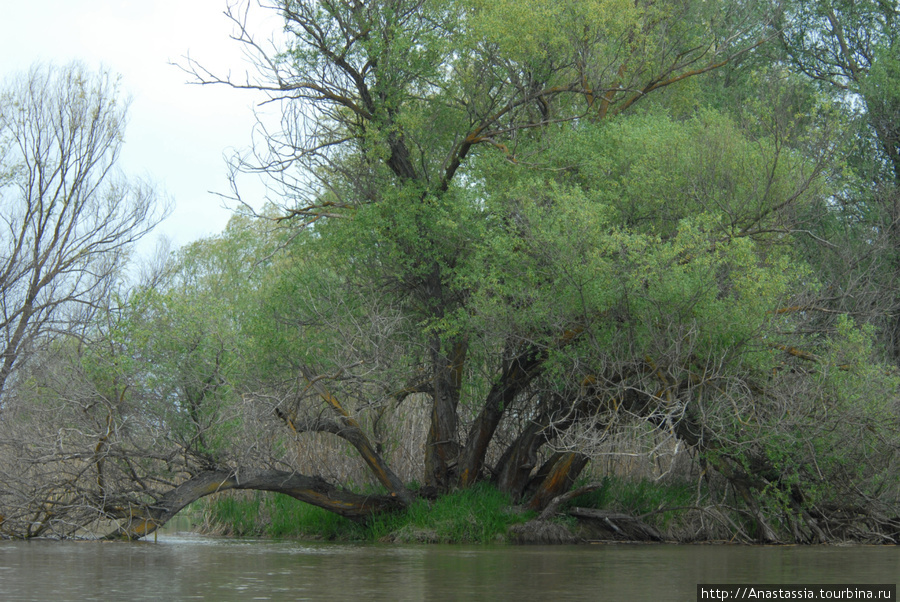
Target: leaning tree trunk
(515,466)
(555,477)
(140,521)
(351,431)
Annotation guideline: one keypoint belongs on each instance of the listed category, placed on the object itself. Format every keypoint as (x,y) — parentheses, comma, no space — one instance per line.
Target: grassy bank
(477,515)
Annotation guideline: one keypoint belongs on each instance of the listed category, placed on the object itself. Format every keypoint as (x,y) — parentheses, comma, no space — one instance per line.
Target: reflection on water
(186,567)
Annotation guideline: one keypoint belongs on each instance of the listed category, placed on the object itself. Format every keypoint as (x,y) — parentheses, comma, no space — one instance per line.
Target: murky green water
(182,567)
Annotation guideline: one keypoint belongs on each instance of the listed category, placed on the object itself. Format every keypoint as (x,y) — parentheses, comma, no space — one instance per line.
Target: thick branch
(353,433)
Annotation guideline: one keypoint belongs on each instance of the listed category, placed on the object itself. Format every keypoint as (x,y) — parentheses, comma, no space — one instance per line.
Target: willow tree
(68,221)
(385,106)
(114,432)
(486,238)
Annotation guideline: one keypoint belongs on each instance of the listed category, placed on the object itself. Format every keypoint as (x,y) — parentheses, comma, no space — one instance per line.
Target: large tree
(386,102)
(493,240)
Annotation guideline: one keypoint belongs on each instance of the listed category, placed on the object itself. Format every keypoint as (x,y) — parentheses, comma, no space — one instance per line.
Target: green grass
(480,514)
(232,514)
(262,514)
(287,517)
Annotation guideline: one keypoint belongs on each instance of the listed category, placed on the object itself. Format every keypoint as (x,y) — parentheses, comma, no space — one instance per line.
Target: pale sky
(177,133)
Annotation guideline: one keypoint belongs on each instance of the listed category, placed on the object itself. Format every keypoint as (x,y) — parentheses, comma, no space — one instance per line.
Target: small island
(527,272)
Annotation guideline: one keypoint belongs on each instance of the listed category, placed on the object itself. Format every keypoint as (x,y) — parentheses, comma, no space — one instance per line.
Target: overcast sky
(177,133)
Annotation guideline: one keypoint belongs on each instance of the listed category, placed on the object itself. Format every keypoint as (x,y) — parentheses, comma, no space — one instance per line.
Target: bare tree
(67,217)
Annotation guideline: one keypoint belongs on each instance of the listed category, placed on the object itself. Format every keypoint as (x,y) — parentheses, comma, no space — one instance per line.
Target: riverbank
(618,509)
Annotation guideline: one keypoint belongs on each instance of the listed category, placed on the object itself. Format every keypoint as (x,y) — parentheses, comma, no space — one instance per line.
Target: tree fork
(516,376)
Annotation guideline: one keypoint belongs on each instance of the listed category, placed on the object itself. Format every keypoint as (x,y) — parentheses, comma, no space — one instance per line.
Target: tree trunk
(558,413)
(556,477)
(442,445)
(143,520)
(515,465)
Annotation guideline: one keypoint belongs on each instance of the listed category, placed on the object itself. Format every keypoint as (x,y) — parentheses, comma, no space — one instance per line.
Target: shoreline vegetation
(614,510)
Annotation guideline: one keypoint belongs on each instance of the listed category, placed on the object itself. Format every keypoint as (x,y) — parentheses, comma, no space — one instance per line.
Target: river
(190,567)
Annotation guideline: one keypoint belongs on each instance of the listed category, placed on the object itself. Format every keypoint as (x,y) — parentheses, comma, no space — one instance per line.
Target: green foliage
(656,232)
(828,438)
(880,88)
(536,33)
